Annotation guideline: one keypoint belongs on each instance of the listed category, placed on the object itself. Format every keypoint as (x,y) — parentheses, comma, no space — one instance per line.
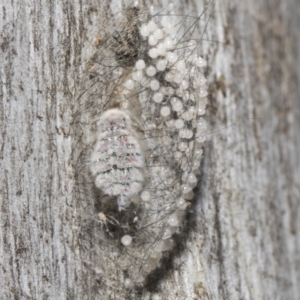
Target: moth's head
(114,119)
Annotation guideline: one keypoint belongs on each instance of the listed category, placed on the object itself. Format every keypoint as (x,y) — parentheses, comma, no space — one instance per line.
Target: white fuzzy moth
(151,94)
(117,159)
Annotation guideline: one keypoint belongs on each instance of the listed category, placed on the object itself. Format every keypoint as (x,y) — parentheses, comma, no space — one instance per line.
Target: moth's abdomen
(117,159)
(120,182)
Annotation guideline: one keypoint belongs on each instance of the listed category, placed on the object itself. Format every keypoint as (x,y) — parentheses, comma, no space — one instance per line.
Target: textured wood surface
(243,239)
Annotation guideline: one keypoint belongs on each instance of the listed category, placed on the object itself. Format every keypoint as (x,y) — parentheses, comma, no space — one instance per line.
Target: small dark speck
(40,117)
(21,250)
(19,193)
(57,130)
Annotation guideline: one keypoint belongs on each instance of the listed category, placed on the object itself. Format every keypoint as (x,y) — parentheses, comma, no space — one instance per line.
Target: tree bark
(244,234)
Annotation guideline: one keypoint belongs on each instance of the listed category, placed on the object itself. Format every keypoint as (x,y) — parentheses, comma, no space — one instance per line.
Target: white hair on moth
(148,94)
(117,159)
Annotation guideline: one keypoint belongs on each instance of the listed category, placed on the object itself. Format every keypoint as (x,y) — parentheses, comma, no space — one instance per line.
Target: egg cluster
(172,97)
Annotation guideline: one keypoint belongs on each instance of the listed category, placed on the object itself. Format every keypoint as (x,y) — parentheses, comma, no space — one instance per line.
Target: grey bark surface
(245,241)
